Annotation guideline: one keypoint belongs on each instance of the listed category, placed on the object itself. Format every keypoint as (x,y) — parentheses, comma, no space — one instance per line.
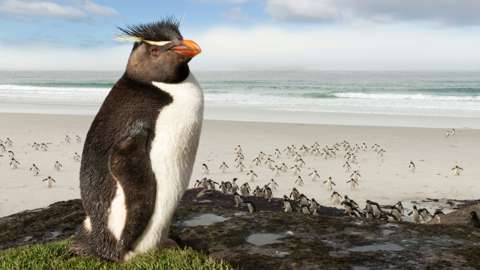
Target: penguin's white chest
(172,155)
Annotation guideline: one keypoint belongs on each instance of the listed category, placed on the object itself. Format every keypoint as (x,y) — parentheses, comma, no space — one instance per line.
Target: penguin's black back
(124,123)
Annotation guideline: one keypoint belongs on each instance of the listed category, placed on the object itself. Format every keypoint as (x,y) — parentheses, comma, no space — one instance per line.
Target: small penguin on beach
(273,184)
(299,181)
(205,169)
(14,163)
(49,181)
(329,183)
(315,175)
(252,175)
(67,139)
(35,170)
(58,166)
(223,167)
(139,152)
(411,166)
(241,167)
(457,170)
(77,157)
(450,132)
(8,142)
(353,183)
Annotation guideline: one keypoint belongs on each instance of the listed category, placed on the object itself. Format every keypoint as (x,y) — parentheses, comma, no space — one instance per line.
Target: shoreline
(253,115)
(385,180)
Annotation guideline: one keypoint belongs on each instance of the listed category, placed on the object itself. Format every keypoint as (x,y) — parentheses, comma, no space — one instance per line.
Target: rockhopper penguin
(139,152)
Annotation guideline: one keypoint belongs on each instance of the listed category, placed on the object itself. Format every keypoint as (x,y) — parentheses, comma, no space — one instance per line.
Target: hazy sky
(249,34)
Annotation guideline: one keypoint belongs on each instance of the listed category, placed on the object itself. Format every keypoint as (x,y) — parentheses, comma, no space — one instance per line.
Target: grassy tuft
(57,256)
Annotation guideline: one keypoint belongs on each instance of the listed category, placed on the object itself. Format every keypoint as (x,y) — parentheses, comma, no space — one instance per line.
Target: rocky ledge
(270,239)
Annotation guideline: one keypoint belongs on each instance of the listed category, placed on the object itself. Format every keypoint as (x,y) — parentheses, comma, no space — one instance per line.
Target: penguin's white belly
(172,155)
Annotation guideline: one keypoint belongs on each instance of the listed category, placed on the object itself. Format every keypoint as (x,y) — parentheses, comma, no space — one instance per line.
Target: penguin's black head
(160,52)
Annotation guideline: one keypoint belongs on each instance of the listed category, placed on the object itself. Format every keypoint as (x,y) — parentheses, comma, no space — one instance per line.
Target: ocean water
(424,94)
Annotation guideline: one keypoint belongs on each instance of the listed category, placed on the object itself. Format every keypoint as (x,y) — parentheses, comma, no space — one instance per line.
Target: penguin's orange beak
(187,48)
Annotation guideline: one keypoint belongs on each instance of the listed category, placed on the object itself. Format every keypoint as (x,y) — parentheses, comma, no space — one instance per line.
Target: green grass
(56,256)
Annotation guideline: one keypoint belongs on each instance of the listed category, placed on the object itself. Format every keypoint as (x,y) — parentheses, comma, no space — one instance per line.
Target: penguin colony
(296,201)
(9,148)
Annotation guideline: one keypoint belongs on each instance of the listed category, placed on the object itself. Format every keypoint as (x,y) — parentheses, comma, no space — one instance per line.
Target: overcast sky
(249,34)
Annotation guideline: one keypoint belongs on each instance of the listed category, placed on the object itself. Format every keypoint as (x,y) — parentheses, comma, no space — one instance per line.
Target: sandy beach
(385,180)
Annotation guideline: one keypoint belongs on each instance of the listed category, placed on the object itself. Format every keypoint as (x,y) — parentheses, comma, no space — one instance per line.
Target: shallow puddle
(204,220)
(261,239)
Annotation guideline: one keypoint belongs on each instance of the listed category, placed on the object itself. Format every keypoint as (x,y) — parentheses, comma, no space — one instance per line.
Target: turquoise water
(452,94)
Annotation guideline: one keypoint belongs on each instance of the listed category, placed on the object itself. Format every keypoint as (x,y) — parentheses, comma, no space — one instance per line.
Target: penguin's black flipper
(130,166)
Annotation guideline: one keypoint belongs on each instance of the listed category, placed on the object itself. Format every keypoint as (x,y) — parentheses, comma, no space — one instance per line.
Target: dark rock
(271,239)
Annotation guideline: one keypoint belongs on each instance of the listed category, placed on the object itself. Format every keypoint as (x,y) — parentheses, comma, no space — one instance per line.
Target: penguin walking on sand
(58,166)
(241,167)
(14,163)
(238,149)
(36,146)
(44,147)
(296,169)
(315,175)
(457,170)
(257,161)
(11,154)
(273,184)
(49,181)
(205,169)
(411,166)
(35,170)
(3,149)
(450,132)
(353,183)
(299,181)
(139,152)
(347,166)
(77,157)
(252,175)
(8,142)
(223,167)
(78,139)
(67,139)
(277,153)
(329,183)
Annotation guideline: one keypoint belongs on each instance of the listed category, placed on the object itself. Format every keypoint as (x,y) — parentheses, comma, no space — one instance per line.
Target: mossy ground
(57,256)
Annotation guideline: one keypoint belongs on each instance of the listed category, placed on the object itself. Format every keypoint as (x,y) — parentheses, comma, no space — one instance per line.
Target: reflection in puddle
(377,247)
(204,220)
